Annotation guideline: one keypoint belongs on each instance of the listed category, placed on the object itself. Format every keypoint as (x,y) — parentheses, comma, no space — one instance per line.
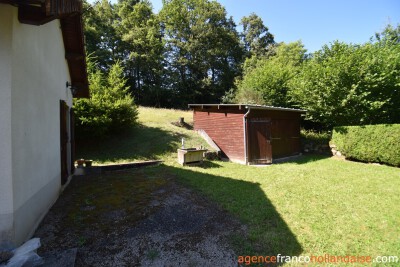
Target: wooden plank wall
(285,131)
(225,127)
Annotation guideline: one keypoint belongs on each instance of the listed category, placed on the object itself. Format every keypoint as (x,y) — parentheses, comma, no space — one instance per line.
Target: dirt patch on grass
(134,218)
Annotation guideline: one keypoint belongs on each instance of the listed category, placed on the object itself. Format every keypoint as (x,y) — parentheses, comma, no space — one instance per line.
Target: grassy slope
(312,206)
(153,138)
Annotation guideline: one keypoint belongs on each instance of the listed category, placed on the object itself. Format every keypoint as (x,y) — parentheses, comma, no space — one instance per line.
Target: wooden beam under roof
(33,15)
(39,12)
(23,2)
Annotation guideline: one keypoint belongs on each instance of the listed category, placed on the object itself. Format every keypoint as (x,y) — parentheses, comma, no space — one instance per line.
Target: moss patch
(99,204)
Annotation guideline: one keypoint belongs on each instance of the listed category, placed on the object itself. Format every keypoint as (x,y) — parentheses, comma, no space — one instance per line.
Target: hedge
(369,143)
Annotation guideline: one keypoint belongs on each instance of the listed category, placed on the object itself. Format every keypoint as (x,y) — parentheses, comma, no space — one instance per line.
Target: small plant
(88,202)
(81,241)
(152,254)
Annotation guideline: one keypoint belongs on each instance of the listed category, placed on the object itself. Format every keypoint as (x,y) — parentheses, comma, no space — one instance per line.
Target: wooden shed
(250,134)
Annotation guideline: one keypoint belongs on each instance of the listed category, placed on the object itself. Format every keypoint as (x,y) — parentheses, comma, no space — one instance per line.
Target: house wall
(6,192)
(225,128)
(37,73)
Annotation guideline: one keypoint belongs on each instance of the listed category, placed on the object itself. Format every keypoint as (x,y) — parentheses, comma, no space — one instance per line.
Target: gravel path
(129,219)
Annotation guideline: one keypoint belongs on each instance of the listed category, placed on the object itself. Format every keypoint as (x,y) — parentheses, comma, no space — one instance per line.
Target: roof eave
(39,12)
(247,106)
(276,108)
(72,31)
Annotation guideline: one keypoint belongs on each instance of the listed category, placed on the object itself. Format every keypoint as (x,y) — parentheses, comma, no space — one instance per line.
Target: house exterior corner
(33,75)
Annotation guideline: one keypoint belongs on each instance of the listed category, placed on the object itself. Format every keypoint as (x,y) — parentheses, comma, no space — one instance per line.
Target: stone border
(114,167)
(335,152)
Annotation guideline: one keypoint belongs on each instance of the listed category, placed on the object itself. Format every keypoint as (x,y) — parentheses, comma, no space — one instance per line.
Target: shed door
(259,132)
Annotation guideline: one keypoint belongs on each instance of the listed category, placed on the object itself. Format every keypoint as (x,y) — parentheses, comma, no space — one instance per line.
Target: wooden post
(181,120)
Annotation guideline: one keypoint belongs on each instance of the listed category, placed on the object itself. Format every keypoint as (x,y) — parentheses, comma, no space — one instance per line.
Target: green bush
(348,84)
(370,143)
(266,80)
(110,107)
(315,137)
(315,142)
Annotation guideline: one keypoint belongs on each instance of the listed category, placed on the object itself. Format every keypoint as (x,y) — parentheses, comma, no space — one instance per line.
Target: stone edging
(114,167)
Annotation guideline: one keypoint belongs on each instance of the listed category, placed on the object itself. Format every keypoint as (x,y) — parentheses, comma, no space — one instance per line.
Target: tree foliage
(192,52)
(141,31)
(189,52)
(110,107)
(255,36)
(341,84)
(101,38)
(266,80)
(203,53)
(345,84)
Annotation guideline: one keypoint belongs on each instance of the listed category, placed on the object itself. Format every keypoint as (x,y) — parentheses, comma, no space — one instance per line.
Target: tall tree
(255,36)
(266,80)
(390,35)
(141,31)
(345,84)
(102,40)
(203,53)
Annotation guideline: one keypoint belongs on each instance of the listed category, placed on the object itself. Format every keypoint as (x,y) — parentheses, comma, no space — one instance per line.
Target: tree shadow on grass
(267,232)
(138,143)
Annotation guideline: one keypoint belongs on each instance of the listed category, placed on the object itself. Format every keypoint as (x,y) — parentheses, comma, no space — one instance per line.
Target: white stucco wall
(6,192)
(39,72)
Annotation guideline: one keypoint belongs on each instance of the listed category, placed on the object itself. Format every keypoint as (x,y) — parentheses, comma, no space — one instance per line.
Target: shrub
(370,143)
(110,107)
(315,142)
(316,137)
(266,80)
(347,84)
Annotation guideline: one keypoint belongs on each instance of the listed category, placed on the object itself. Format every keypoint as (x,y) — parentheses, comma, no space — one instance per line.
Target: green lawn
(311,206)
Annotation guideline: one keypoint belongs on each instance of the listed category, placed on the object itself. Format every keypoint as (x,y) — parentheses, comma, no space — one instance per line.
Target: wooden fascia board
(22,2)
(74,56)
(62,7)
(33,15)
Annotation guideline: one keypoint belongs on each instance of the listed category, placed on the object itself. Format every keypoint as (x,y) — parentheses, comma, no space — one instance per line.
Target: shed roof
(247,106)
(69,12)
